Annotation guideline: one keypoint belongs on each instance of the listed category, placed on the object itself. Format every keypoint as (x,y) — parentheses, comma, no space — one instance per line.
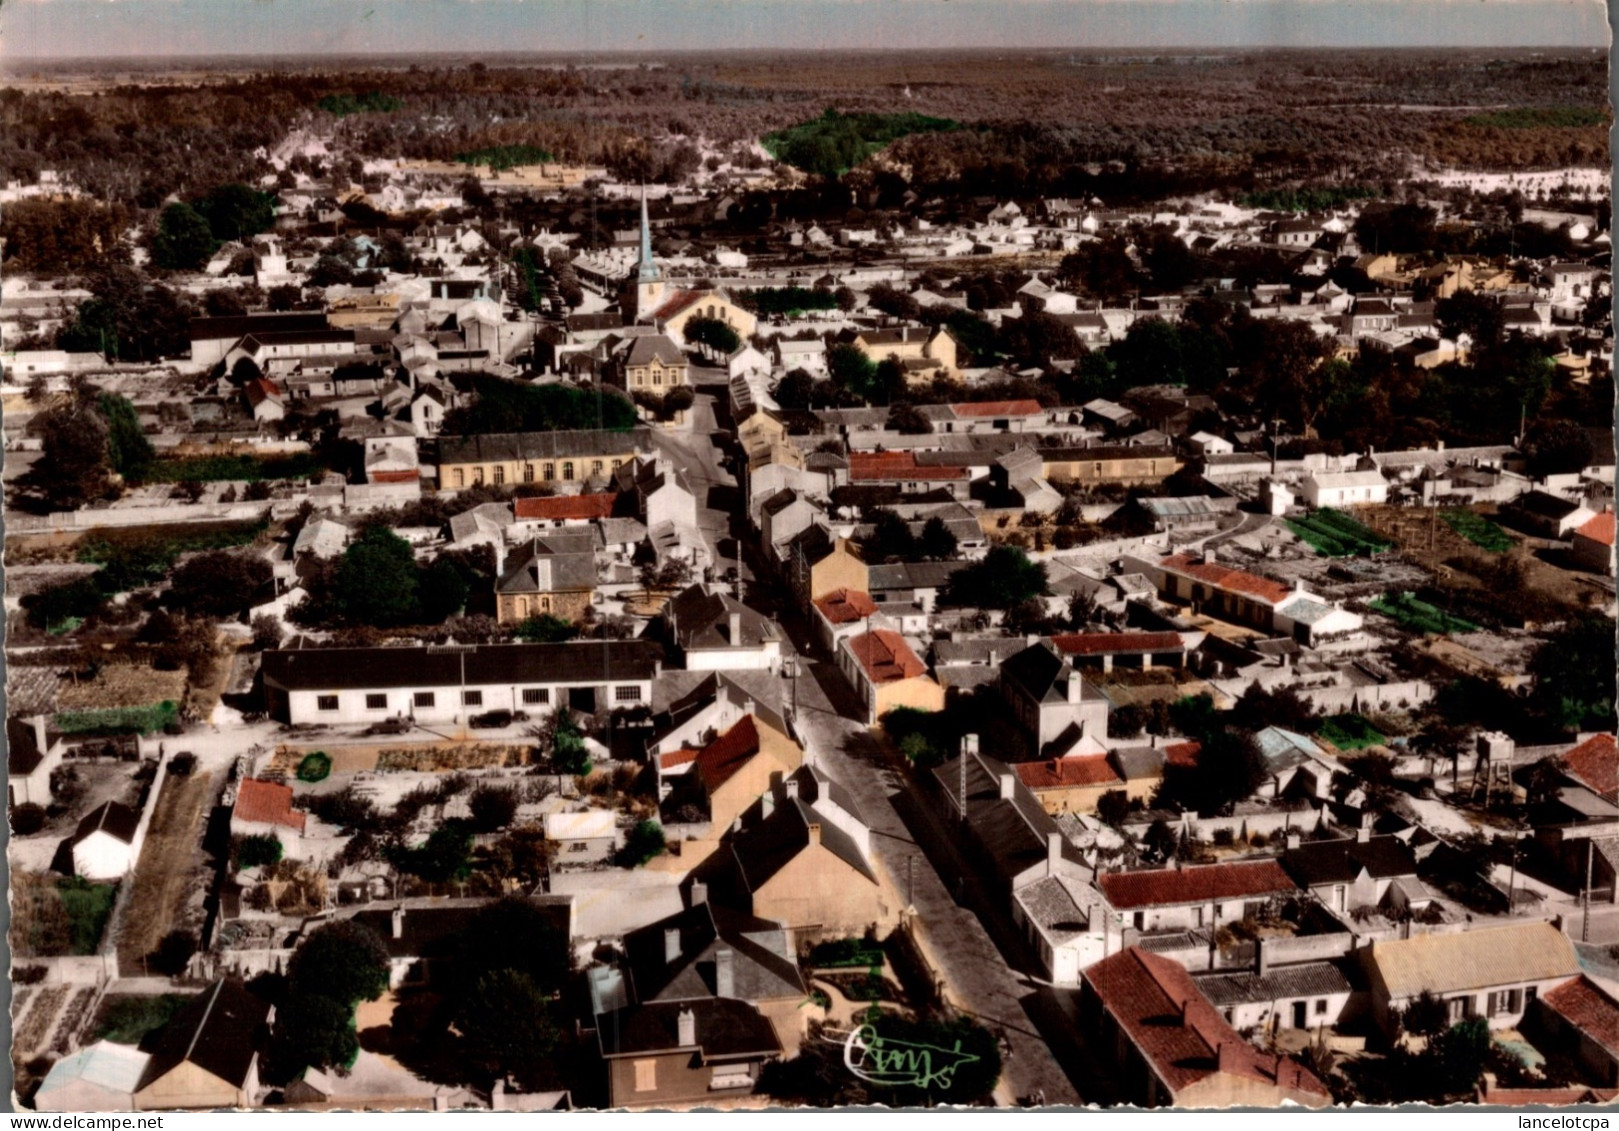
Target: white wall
(352,708)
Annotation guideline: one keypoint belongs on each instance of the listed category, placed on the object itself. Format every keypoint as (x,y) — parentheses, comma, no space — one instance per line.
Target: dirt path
(164,871)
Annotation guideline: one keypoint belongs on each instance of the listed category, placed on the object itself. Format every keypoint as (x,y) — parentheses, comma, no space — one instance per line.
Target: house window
(376,702)
(596,467)
(1320,1006)
(533,696)
(500,476)
(326,702)
(567,470)
(617,463)
(550,471)
(477,476)
(629,693)
(528,473)
(522,607)
(460,478)
(1456,1009)
(543,604)
(472,699)
(657,376)
(646,1075)
(422,699)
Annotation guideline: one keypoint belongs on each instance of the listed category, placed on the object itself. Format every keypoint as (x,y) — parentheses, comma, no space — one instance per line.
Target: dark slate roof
(1340,861)
(1544,505)
(1013,832)
(1312,979)
(703,620)
(725,1028)
(112,817)
(654,347)
(220,1031)
(767,847)
(570,557)
(337,669)
(1041,672)
(506,446)
(910,575)
(763,963)
(233,327)
(23,754)
(429,931)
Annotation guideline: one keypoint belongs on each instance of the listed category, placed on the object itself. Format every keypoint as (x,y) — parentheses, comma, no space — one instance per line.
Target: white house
(31,754)
(104,843)
(1344,488)
(443,685)
(716,632)
(102,1077)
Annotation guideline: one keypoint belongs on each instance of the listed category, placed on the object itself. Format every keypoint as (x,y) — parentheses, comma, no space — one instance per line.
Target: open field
(164,872)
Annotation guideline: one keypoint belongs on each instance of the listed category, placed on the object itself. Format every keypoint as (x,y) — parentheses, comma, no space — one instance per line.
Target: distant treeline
(375,102)
(834,143)
(505,156)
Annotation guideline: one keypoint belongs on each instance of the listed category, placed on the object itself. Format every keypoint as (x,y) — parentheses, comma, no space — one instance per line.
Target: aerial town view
(653,579)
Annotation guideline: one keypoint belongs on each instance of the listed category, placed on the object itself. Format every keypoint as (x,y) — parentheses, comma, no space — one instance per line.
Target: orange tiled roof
(728,753)
(1237,880)
(564,506)
(883,466)
(1231,580)
(266,803)
(679,301)
(976,409)
(845,606)
(1182,753)
(1060,773)
(1599,529)
(885,656)
(1596,763)
(1098,643)
(1588,1009)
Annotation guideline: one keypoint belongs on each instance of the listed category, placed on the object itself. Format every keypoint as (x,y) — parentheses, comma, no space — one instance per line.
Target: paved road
(692,451)
(977,977)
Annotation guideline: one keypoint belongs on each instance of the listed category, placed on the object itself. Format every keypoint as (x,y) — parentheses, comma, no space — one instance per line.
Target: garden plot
(425,757)
(1334,534)
(122,685)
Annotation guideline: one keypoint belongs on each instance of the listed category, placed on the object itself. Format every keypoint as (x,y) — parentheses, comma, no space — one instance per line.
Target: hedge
(119,720)
(314,767)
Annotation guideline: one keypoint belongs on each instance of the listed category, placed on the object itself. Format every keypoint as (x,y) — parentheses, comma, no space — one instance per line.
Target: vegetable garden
(1335,535)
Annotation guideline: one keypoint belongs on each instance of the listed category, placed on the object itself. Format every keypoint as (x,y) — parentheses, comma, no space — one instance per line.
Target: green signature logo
(892,1062)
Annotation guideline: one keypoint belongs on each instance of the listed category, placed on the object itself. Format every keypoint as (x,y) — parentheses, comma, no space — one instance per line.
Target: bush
(644,842)
(182,764)
(258,851)
(315,767)
(27,819)
(120,720)
(174,953)
(493,808)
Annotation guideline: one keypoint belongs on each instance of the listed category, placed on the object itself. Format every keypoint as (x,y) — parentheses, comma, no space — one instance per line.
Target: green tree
(73,468)
(513,934)
(795,390)
(183,241)
(1574,676)
(890,538)
(1001,579)
(851,370)
(443,589)
(492,807)
(128,449)
(258,850)
(545,629)
(236,212)
(908,420)
(507,1025)
(569,754)
(315,1030)
(714,333)
(1425,1016)
(641,844)
(342,960)
(219,583)
(1149,354)
(445,856)
(376,580)
(1457,1056)
(74,600)
(937,542)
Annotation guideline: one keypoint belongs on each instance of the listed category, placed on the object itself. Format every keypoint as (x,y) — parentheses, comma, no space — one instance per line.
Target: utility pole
(969,746)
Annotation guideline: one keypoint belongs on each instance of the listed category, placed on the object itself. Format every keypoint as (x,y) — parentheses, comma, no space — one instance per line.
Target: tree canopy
(376,580)
(183,241)
(507,406)
(219,583)
(1001,579)
(342,960)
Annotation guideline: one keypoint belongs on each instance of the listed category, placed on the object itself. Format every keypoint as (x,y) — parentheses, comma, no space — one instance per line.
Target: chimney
(399,921)
(1363,832)
(1209,555)
(724,972)
(671,946)
(1076,686)
(1261,957)
(686,1029)
(994,657)
(699,893)
(736,630)
(815,832)
(1053,852)
(1292,839)
(790,787)
(1007,781)
(749,706)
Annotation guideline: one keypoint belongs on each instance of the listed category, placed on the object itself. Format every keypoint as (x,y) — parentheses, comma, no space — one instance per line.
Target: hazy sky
(35,28)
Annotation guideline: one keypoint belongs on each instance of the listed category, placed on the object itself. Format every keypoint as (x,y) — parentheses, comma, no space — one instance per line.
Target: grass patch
(498,157)
(1478,530)
(1539,117)
(126,1018)
(1335,535)
(834,143)
(204,469)
(1350,732)
(62,628)
(119,720)
(374,102)
(846,952)
(88,908)
(1419,616)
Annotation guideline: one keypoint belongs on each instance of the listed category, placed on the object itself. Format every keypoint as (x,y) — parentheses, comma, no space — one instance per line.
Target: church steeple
(647,269)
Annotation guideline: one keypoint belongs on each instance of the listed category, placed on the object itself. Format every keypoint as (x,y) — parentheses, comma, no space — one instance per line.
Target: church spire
(647,271)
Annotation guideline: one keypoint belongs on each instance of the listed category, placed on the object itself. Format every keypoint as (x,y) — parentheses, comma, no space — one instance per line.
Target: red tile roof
(406,476)
(845,606)
(728,753)
(266,803)
(1533,1097)
(1231,580)
(977,409)
(885,466)
(679,301)
(1127,890)
(564,506)
(885,656)
(1059,773)
(1588,1009)
(1595,762)
(1103,643)
(681,757)
(1183,753)
(1158,1006)
(1599,529)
